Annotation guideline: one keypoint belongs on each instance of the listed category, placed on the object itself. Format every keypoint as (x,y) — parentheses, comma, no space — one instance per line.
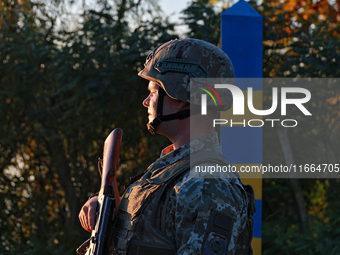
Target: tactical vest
(139,227)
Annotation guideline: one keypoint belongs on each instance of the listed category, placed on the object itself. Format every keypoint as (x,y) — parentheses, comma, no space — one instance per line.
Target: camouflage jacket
(203,215)
(194,199)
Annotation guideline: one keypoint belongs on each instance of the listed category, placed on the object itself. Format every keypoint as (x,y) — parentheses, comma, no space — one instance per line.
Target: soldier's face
(169,105)
(151,101)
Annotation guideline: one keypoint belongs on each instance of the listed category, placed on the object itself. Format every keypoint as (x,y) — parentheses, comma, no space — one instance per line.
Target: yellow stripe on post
(256,245)
(251,177)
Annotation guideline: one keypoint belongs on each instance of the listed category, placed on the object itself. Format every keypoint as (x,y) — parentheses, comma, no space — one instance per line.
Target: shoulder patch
(216,244)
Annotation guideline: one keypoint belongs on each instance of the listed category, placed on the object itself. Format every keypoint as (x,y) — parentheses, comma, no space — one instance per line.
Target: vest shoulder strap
(165,175)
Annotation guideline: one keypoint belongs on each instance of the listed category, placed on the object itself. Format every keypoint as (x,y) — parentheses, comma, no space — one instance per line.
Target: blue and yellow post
(242,40)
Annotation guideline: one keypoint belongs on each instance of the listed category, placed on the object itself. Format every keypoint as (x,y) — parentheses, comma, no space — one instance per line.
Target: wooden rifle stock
(108,198)
(110,160)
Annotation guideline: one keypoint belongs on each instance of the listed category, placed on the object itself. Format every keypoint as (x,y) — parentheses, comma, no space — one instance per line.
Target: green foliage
(301,45)
(281,237)
(62,92)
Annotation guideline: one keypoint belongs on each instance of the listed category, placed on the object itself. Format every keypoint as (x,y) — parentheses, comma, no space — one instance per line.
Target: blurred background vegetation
(66,83)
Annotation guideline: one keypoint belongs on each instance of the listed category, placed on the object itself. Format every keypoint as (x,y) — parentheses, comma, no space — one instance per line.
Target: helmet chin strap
(152,126)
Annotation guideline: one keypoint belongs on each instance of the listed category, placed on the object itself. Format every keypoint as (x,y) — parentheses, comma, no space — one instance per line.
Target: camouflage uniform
(166,210)
(194,199)
(194,207)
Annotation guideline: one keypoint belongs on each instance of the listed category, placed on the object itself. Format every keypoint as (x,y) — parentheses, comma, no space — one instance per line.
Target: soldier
(166,209)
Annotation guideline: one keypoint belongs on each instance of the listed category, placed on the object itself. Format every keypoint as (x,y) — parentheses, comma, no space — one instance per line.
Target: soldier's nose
(146,101)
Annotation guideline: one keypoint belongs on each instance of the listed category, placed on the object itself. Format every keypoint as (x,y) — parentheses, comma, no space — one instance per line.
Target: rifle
(108,198)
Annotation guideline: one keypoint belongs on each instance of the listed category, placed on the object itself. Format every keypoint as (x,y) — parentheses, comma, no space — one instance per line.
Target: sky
(173,7)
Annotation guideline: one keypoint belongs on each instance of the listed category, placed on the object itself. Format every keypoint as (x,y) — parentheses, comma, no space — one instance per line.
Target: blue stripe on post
(242,145)
(242,39)
(258,219)
(244,83)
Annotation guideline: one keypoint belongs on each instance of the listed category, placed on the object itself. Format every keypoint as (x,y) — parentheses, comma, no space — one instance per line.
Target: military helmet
(173,63)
